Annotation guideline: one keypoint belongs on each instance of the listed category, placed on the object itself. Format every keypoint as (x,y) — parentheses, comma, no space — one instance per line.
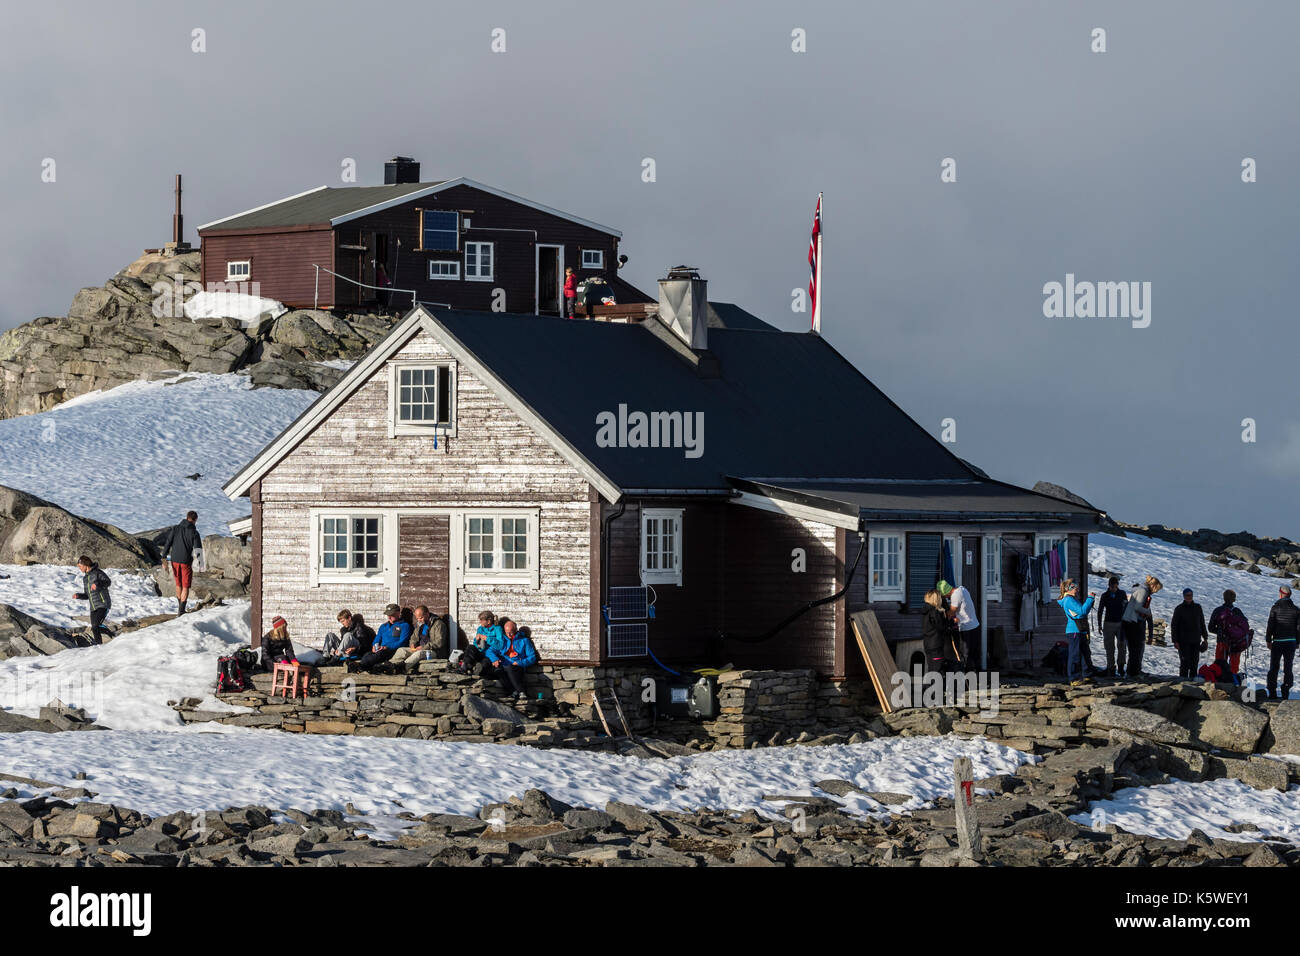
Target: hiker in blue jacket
(394,633)
(512,657)
(488,636)
(95,585)
(1076,624)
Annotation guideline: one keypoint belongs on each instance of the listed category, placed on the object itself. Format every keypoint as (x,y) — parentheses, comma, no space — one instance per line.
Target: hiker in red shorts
(178,550)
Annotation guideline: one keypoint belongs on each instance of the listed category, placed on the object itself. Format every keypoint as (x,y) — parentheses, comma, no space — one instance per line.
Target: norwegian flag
(814,265)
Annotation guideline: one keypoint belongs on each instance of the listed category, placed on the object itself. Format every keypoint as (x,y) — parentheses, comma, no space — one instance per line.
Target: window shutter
(924,552)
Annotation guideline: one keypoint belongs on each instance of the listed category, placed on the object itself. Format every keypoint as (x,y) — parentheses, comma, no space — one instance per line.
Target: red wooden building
(454,244)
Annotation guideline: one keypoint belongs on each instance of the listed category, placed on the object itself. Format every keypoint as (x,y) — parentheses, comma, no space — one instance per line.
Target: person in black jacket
(1110,608)
(936,634)
(178,552)
(95,585)
(1187,631)
(1283,629)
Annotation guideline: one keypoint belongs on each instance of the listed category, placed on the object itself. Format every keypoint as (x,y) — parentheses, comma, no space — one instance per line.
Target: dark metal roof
(775,403)
(318,206)
(974,496)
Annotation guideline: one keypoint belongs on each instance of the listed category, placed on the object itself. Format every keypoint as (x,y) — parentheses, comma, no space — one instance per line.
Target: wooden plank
(875,652)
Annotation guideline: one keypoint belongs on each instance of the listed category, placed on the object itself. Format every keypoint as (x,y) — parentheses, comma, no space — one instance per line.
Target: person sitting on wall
(512,658)
(489,635)
(393,634)
(428,640)
(354,639)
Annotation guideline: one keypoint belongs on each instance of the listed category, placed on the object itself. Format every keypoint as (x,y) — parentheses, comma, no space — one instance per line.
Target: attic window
(593,258)
(439,231)
(421,398)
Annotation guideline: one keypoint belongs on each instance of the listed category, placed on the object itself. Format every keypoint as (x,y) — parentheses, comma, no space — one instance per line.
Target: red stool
(289,679)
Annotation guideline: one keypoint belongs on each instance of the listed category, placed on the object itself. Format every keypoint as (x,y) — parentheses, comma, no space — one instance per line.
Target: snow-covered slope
(121,456)
(1134,557)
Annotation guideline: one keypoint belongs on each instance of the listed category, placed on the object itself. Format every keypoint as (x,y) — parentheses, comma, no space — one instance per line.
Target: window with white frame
(421,398)
(350,544)
(444,269)
(992,567)
(661,545)
(501,547)
(239,271)
(887,555)
(439,231)
(593,258)
(478,261)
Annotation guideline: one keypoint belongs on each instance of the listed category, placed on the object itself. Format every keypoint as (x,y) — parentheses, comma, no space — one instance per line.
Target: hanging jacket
(1075,610)
(517,650)
(95,584)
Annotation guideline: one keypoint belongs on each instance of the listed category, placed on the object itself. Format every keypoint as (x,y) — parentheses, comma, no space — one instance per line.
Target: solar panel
(628,604)
(628,640)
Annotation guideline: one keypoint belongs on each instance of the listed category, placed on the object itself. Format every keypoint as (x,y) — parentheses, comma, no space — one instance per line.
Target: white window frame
(991,573)
(232,276)
(478,262)
(455,265)
(529,576)
(426,429)
(886,592)
(661,575)
(322,575)
(600,258)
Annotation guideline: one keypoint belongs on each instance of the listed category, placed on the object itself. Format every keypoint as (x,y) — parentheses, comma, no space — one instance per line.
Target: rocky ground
(1024,822)
(112,335)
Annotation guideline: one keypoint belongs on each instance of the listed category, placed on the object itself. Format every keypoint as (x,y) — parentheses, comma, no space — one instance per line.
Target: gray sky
(1122,166)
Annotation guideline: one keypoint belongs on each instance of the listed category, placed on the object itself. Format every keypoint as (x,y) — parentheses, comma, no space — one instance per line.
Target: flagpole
(817,306)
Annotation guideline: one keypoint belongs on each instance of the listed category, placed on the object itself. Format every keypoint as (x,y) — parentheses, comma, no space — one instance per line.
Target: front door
(423,575)
(550,279)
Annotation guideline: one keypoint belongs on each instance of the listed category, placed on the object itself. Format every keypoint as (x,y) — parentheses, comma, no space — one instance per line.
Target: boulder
(480,709)
(204,587)
(228,557)
(47,534)
(1140,723)
(1224,724)
(1282,736)
(14,623)
(300,329)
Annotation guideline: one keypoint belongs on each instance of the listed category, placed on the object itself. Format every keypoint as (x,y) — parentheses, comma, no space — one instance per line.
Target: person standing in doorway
(1110,610)
(570,293)
(178,550)
(1283,629)
(382,281)
(961,609)
(1187,631)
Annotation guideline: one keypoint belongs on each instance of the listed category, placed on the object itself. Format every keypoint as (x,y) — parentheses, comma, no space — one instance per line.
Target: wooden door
(424,552)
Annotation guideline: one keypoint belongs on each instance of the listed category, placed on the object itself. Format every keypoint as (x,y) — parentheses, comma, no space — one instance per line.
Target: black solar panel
(628,640)
(628,604)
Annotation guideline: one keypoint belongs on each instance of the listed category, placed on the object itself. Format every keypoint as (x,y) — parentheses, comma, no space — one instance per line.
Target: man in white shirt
(961,608)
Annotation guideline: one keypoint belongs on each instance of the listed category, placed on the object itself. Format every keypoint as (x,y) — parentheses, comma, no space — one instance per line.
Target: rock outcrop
(133,327)
(34,531)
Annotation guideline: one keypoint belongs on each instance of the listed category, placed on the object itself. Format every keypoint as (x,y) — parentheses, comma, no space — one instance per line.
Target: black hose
(848,579)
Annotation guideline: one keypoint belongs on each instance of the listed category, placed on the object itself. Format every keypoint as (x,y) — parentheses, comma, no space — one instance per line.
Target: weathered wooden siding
(281,263)
(495,461)
(736,579)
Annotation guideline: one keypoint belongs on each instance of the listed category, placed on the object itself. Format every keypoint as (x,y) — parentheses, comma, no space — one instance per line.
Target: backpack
(246,657)
(1236,630)
(230,676)
(1058,657)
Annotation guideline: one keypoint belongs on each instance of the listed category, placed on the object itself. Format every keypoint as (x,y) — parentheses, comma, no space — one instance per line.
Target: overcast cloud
(1122,166)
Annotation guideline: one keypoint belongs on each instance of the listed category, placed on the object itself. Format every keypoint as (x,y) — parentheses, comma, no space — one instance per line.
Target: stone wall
(756,707)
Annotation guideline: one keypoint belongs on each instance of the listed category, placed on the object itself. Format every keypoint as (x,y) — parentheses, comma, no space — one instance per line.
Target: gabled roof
(772,403)
(332,205)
